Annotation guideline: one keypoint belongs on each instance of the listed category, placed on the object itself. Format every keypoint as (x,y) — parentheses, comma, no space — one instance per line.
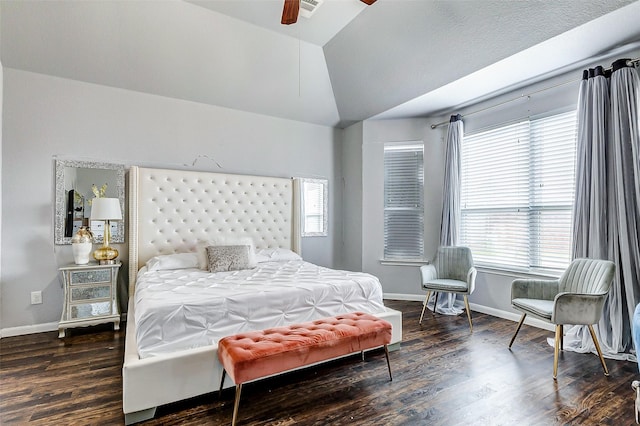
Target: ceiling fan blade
(290,12)
(368,2)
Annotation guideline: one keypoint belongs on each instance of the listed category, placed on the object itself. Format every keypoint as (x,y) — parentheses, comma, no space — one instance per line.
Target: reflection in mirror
(77,184)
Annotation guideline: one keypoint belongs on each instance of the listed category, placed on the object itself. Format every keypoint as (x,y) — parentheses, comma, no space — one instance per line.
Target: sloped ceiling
(349,62)
(399,50)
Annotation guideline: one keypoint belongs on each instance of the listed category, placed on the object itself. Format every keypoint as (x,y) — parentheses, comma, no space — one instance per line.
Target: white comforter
(188,308)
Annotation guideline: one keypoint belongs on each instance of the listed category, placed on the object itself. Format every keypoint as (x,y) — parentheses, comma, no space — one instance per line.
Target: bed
(170,211)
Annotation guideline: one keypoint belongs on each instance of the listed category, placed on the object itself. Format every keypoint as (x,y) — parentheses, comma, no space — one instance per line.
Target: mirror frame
(117,236)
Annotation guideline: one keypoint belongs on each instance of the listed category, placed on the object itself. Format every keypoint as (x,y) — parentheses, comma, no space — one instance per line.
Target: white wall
(46,116)
(398,279)
(1,149)
(351,211)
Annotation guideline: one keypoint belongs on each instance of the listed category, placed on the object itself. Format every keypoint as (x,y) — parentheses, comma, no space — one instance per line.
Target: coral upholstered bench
(256,354)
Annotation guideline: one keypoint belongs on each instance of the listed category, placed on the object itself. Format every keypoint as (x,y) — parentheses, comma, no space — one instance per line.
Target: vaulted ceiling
(348,63)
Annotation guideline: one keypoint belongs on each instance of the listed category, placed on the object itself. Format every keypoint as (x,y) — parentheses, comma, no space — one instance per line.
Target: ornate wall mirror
(76,185)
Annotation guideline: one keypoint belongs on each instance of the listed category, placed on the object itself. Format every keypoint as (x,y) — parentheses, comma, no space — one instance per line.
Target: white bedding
(188,308)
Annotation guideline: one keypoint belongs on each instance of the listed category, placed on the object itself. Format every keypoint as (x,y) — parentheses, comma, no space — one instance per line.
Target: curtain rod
(528,96)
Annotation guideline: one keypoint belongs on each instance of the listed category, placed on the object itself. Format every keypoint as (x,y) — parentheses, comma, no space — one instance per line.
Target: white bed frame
(169,211)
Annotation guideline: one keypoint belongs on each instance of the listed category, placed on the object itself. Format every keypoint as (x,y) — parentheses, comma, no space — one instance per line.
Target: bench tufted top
(251,355)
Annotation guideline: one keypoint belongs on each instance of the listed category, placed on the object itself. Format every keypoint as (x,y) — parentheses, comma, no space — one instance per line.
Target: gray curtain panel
(606,218)
(590,207)
(450,225)
(450,303)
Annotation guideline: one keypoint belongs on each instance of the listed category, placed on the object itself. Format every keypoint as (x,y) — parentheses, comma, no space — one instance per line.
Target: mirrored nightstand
(90,296)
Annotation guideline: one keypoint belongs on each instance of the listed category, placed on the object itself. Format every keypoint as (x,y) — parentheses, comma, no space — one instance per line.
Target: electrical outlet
(36,297)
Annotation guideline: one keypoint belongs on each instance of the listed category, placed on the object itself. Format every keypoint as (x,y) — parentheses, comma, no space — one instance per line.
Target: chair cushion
(446,285)
(540,308)
(453,262)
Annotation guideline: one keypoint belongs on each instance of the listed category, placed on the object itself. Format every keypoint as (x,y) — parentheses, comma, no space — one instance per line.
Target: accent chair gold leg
(555,352)
(466,304)
(561,337)
(517,330)
(595,341)
(386,353)
(435,303)
(224,372)
(424,306)
(236,404)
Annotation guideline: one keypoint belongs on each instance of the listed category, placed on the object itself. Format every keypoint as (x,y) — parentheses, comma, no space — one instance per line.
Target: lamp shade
(106,209)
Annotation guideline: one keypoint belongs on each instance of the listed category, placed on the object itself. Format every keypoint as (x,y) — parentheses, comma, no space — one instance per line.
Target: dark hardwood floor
(442,375)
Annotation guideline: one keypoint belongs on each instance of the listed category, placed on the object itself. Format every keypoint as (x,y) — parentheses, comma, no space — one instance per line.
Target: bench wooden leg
(386,353)
(224,372)
(236,404)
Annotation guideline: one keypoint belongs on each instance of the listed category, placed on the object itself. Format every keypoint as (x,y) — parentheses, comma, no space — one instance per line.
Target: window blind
(314,207)
(313,194)
(404,201)
(517,194)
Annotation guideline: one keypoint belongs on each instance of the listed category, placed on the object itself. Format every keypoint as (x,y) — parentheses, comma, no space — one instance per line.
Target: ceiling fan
(292,8)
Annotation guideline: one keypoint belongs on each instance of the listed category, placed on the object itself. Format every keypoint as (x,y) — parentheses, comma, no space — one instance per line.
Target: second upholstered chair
(451,271)
(576,298)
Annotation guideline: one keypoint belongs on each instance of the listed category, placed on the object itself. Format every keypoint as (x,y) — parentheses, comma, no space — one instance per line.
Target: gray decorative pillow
(229,258)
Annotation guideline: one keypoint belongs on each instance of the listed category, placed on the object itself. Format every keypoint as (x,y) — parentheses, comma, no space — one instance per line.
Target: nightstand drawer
(91,276)
(89,293)
(90,310)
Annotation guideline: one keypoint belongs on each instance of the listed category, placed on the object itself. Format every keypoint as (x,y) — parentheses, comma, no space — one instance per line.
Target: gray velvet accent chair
(576,298)
(451,271)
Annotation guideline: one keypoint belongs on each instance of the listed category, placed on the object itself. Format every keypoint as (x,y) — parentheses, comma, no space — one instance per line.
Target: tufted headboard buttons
(172,210)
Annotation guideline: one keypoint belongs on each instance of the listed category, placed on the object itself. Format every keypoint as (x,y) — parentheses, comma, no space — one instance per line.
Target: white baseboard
(39,328)
(401,296)
(28,329)
(479,308)
(515,317)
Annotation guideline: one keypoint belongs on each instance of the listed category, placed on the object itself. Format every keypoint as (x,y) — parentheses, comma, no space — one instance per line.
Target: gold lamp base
(105,255)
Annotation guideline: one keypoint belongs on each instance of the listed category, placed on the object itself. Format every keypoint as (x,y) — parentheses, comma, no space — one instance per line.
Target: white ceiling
(327,20)
(349,62)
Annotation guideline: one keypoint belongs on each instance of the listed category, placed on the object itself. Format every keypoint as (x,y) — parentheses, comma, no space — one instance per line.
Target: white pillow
(276,255)
(201,249)
(173,261)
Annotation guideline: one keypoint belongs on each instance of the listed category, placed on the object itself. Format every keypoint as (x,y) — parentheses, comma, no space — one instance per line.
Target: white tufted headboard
(171,210)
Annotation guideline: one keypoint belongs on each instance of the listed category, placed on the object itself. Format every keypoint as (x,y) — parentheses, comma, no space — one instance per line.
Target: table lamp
(106,209)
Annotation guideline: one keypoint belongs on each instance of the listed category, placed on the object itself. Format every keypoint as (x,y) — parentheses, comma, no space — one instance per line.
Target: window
(403,201)
(517,194)
(314,205)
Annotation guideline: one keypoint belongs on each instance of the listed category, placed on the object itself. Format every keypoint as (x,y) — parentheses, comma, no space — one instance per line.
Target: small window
(314,207)
(404,201)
